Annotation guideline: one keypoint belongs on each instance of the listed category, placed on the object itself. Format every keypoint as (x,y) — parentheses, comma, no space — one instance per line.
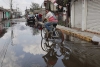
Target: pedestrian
(40,17)
(37,16)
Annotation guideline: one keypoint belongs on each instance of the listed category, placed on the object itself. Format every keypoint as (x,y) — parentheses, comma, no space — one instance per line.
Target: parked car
(31,19)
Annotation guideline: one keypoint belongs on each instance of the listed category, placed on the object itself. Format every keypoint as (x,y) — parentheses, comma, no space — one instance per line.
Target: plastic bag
(96,38)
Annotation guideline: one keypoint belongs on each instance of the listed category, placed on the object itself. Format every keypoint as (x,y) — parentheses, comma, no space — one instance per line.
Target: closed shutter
(78,14)
(93,16)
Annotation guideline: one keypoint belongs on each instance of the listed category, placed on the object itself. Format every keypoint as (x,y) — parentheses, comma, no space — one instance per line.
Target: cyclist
(51,19)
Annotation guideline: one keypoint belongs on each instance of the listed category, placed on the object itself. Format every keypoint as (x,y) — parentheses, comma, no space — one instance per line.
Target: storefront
(93,15)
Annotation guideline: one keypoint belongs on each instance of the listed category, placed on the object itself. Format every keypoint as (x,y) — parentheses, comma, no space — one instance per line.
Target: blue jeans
(48,24)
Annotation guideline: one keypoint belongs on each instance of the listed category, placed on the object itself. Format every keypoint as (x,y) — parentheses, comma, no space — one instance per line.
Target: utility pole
(11,8)
(11,5)
(11,22)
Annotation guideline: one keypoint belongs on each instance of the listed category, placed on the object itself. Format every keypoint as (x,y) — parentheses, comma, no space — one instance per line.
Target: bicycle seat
(54,25)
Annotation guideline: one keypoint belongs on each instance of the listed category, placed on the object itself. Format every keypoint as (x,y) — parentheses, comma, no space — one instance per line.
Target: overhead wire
(5,2)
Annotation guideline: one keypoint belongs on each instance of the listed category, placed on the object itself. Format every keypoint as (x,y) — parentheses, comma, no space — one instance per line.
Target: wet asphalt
(21,45)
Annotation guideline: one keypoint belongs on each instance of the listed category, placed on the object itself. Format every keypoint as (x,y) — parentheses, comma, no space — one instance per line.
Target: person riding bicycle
(51,19)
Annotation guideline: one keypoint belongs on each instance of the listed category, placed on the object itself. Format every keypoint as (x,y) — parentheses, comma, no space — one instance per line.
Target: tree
(34,6)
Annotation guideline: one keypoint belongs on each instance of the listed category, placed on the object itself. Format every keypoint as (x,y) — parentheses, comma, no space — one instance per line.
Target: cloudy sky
(22,4)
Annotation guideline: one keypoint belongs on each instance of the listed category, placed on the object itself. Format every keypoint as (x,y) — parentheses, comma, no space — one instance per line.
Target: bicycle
(55,33)
(47,47)
(52,46)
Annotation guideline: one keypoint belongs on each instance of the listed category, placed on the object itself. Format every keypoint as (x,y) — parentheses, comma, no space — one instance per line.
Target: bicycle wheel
(45,45)
(58,35)
(44,33)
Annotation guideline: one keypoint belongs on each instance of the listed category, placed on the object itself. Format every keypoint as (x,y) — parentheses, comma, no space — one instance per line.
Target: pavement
(84,35)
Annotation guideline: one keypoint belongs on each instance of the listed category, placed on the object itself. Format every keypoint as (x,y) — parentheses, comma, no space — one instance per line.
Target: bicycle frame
(55,33)
(53,27)
(64,50)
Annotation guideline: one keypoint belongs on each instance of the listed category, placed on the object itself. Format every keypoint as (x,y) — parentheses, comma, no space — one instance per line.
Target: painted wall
(0,16)
(7,15)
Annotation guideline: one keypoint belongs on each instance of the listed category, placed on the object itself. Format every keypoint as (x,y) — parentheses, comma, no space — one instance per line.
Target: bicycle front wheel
(44,33)
(45,45)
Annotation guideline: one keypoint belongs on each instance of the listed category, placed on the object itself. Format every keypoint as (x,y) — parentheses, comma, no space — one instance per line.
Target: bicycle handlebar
(44,20)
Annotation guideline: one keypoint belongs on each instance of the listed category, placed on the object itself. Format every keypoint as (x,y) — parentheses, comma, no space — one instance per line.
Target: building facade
(1,14)
(85,15)
(81,14)
(4,14)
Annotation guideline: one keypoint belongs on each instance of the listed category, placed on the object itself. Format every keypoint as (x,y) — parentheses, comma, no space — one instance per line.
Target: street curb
(71,32)
(83,37)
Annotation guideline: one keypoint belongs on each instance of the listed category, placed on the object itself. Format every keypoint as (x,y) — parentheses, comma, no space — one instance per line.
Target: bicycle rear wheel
(58,35)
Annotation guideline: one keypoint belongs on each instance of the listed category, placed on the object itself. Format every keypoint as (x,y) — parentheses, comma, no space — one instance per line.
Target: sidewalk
(87,36)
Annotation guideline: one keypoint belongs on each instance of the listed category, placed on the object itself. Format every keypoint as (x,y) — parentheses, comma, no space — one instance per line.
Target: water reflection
(50,58)
(54,51)
(30,24)
(29,50)
(26,48)
(35,28)
(2,30)
(7,24)
(4,26)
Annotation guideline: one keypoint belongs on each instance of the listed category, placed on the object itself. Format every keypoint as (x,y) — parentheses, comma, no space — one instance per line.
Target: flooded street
(22,46)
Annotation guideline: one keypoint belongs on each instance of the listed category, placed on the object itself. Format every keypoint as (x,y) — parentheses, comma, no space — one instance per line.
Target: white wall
(78,14)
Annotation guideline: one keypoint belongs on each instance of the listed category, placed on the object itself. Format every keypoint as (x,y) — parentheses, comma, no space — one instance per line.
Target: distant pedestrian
(40,17)
(37,16)
(36,19)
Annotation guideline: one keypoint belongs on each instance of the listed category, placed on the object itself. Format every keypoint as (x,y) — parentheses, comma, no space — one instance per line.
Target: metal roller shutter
(93,16)
(78,14)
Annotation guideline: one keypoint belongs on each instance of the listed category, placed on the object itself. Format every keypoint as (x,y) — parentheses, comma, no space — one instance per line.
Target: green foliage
(34,6)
